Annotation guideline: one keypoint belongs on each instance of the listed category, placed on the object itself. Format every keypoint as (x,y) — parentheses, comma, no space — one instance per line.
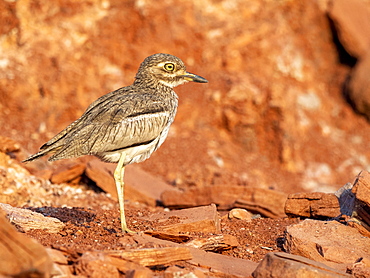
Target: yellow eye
(169,67)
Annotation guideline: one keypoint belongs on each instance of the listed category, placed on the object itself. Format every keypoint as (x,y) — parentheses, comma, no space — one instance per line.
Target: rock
(352,22)
(131,262)
(276,265)
(346,199)
(200,219)
(143,186)
(174,237)
(355,203)
(153,256)
(21,256)
(60,263)
(240,214)
(139,185)
(215,244)
(103,264)
(328,242)
(267,202)
(68,173)
(360,269)
(15,182)
(361,188)
(175,272)
(97,265)
(25,220)
(358,89)
(19,188)
(102,174)
(314,205)
(221,265)
(236,128)
(139,273)
(8,145)
(361,205)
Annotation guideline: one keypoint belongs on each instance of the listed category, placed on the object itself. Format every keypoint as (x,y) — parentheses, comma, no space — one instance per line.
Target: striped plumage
(126,125)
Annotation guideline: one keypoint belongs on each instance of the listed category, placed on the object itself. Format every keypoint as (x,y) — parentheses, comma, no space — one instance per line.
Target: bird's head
(167,70)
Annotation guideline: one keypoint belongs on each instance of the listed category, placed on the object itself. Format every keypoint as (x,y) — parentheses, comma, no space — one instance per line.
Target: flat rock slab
(153,256)
(314,205)
(269,203)
(200,219)
(103,265)
(21,256)
(25,220)
(277,265)
(139,185)
(208,262)
(328,242)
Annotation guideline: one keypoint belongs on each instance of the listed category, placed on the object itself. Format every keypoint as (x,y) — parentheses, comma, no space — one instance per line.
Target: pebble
(240,214)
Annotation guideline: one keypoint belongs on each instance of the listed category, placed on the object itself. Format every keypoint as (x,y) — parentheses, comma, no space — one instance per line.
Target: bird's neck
(152,83)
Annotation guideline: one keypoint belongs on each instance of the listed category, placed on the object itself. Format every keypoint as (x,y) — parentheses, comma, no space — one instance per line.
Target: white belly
(136,154)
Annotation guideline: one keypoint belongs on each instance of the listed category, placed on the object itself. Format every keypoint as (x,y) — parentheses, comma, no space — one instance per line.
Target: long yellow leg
(119,174)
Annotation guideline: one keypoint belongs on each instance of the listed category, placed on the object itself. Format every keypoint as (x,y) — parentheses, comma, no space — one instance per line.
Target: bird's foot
(127,230)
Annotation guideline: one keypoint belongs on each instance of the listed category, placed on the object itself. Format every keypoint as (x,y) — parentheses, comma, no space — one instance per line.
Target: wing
(116,122)
(60,136)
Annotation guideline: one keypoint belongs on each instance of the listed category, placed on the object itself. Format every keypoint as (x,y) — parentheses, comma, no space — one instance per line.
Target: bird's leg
(120,185)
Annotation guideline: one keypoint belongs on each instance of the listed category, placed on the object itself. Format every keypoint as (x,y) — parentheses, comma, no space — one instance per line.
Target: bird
(127,125)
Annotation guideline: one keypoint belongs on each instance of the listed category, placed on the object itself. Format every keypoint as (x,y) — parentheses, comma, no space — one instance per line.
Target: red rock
(215,244)
(235,131)
(139,185)
(313,205)
(360,269)
(361,188)
(25,220)
(8,145)
(96,265)
(20,255)
(61,266)
(221,265)
(139,273)
(352,21)
(68,173)
(355,203)
(329,242)
(358,90)
(110,263)
(240,214)
(175,271)
(174,237)
(153,256)
(276,265)
(269,203)
(203,219)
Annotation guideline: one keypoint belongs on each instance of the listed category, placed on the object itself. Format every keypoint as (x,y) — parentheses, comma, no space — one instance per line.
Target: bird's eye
(169,67)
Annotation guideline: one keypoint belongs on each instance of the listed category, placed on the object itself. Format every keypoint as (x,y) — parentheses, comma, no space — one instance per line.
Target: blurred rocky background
(275,113)
(286,107)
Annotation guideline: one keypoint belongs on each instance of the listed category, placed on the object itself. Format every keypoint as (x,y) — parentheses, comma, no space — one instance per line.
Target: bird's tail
(40,154)
(34,156)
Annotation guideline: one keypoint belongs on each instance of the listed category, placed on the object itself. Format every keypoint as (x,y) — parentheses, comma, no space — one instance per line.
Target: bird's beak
(193,77)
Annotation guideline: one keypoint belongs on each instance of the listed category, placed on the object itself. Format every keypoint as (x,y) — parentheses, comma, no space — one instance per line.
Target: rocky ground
(282,124)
